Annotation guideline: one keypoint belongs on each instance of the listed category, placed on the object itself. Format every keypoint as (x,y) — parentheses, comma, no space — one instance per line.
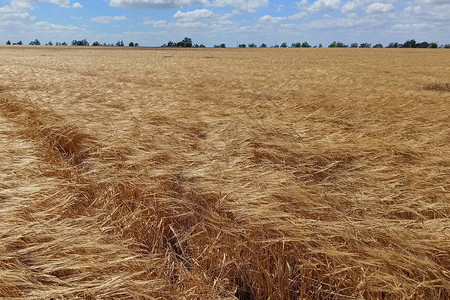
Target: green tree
(283,45)
(82,42)
(263,45)
(337,45)
(186,43)
(409,44)
(306,45)
(423,45)
(393,45)
(36,42)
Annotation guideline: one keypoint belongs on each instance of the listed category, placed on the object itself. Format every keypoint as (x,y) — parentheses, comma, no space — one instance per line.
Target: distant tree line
(408,44)
(82,42)
(18,43)
(187,43)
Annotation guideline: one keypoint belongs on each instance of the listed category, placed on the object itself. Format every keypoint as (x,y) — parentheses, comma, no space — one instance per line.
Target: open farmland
(224,173)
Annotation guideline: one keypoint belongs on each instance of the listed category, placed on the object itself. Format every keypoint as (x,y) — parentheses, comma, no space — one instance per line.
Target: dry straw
(223,174)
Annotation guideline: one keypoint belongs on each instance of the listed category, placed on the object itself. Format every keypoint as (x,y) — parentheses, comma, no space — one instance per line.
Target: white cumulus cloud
(271,20)
(77,5)
(19,10)
(410,27)
(156,4)
(11,13)
(62,3)
(348,23)
(377,8)
(319,5)
(154,23)
(244,6)
(431,10)
(107,19)
(193,15)
(350,7)
(48,27)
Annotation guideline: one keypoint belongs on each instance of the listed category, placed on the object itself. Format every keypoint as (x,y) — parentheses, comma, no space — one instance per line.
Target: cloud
(350,7)
(12,13)
(348,23)
(378,8)
(298,16)
(271,20)
(432,1)
(154,23)
(199,21)
(431,10)
(410,27)
(107,19)
(242,6)
(62,3)
(48,27)
(156,4)
(77,5)
(19,10)
(193,15)
(268,19)
(319,5)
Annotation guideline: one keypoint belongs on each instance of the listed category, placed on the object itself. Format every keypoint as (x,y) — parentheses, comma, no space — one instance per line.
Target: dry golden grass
(223,174)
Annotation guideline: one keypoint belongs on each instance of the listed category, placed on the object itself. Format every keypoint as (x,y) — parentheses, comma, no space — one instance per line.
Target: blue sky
(154,22)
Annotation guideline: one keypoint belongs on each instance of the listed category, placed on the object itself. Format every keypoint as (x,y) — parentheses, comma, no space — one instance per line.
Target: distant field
(224,173)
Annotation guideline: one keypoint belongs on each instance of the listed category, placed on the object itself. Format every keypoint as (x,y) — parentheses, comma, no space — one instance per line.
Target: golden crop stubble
(253,174)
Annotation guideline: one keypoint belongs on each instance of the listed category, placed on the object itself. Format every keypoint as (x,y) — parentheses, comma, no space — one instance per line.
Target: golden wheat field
(224,173)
